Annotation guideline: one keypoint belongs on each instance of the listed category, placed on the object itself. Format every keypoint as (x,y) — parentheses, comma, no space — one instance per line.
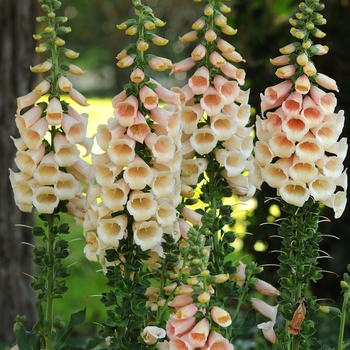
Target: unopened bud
(225,9)
(59,42)
(159,23)
(149,25)
(131,30)
(208,10)
(204,297)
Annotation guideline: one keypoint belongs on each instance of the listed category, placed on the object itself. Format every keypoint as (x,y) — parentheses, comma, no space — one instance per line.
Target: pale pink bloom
(223,125)
(327,134)
(210,35)
(183,66)
(142,206)
(302,84)
(280,60)
(166,212)
(167,96)
(162,147)
(295,127)
(309,69)
(126,111)
(265,309)
(266,288)
(182,343)
(160,116)
(199,52)
(28,118)
(266,105)
(75,131)
(159,64)
(80,170)
(73,69)
(294,192)
(104,135)
(303,171)
(286,71)
(42,88)
(148,97)
(189,118)
(81,118)
(233,161)
(22,190)
(189,37)
(151,334)
(322,187)
(337,118)
(233,72)
(224,46)
(293,103)
(163,345)
(77,97)
(33,136)
(274,175)
(327,101)
(288,49)
(199,333)
(119,98)
(184,288)
(203,140)
(41,67)
(268,331)
(337,202)
(137,76)
(233,56)
(125,62)
(64,84)
(277,92)
(121,151)
(147,234)
(111,231)
(66,186)
(220,316)
(199,82)
(47,171)
(281,146)
(274,122)
(185,312)
(181,300)
(326,82)
(263,154)
(163,184)
(212,102)
(191,169)
(139,129)
(66,153)
(216,59)
(115,196)
(27,161)
(239,277)
(192,216)
(228,89)
(312,112)
(138,174)
(216,341)
(45,199)
(54,112)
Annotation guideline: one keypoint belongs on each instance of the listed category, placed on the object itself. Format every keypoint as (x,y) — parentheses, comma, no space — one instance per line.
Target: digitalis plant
(51,175)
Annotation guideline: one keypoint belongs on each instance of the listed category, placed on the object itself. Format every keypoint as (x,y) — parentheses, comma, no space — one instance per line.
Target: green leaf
(75,319)
(27,340)
(248,323)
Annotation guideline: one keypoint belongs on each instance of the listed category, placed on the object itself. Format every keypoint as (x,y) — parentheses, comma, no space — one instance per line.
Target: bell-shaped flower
(163,184)
(126,111)
(165,213)
(181,300)
(105,174)
(313,114)
(183,66)
(66,153)
(142,206)
(77,97)
(295,127)
(333,167)
(294,192)
(216,59)
(203,140)
(242,144)
(199,81)
(33,136)
(220,316)
(54,113)
(23,188)
(66,186)
(266,288)
(189,118)
(233,72)
(241,185)
(281,146)
(274,175)
(151,334)
(265,309)
(47,171)
(263,154)
(64,84)
(80,170)
(121,151)
(327,101)
(303,171)
(339,148)
(27,100)
(337,202)
(302,84)
(29,118)
(138,174)
(91,247)
(75,131)
(322,187)
(185,312)
(147,234)
(326,82)
(45,199)
(192,216)
(268,331)
(225,46)
(228,89)
(293,103)
(139,129)
(176,327)
(148,97)
(223,125)
(199,333)
(191,169)
(199,52)
(233,161)
(276,92)
(162,147)
(217,341)
(111,231)
(115,196)
(212,102)
(27,161)
(309,150)
(327,134)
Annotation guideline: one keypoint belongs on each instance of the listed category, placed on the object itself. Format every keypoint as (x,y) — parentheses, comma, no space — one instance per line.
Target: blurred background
(263,28)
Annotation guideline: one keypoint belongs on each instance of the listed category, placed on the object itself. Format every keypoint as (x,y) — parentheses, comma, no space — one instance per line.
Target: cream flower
(147,234)
(111,231)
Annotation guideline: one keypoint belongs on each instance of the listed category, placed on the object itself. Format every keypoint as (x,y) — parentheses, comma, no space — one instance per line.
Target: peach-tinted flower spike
(217,341)
(126,111)
(212,102)
(302,84)
(148,97)
(220,316)
(199,82)
(326,82)
(54,112)
(147,234)
(27,100)
(76,96)
(111,231)
(138,174)
(199,333)
(265,309)
(121,151)
(45,199)
(139,129)
(183,66)
(268,331)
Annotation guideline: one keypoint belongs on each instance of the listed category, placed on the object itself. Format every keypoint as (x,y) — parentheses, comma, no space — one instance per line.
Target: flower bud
(288,49)
(220,20)
(131,30)
(265,288)
(226,29)
(199,24)
(42,19)
(149,25)
(59,42)
(42,67)
(70,53)
(221,278)
(63,30)
(302,59)
(189,37)
(297,33)
(122,26)
(137,76)
(318,33)
(224,9)
(192,281)
(322,49)
(142,46)
(159,41)
(204,297)
(208,10)
(64,84)
(73,69)
(210,35)
(309,69)
(159,23)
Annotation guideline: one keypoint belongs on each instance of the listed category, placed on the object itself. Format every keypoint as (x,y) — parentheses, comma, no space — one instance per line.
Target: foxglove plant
(51,174)
(299,154)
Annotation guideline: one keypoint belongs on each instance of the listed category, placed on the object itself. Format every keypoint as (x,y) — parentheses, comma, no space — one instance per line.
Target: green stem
(342,321)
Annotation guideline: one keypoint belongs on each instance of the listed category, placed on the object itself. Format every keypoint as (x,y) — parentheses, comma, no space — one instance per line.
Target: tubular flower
(300,128)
